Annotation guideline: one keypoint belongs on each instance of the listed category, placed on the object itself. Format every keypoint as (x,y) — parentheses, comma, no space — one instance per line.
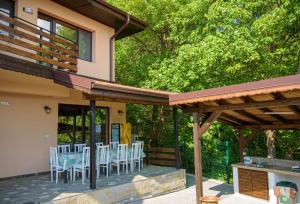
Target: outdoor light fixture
(28,10)
(279,113)
(47,109)
(120,112)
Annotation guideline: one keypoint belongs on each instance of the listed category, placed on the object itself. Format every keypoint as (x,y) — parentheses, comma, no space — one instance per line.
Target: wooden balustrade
(25,40)
(162,156)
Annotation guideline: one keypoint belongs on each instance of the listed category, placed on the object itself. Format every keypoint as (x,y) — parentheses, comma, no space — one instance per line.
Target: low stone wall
(148,187)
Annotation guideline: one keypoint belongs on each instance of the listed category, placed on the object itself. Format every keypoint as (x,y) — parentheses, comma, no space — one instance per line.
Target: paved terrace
(36,189)
(211,187)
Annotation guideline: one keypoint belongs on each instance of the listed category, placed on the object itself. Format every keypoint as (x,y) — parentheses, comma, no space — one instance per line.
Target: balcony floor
(36,189)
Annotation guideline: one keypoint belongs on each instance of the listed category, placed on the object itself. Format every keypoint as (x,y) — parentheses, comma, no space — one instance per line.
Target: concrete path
(211,187)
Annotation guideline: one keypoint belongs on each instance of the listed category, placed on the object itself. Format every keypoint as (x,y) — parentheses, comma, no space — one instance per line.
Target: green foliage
(197,44)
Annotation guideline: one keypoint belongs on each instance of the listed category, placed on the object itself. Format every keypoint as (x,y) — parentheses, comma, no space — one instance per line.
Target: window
(7,9)
(81,37)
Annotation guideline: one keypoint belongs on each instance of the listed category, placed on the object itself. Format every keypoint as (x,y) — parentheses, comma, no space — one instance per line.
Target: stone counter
(269,168)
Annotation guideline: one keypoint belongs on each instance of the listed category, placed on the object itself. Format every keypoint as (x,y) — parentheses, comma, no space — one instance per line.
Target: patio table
(69,159)
(113,154)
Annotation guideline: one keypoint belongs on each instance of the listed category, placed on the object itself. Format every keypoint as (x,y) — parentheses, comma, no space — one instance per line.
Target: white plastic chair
(54,166)
(79,147)
(64,148)
(142,150)
(114,145)
(122,158)
(135,156)
(99,144)
(102,156)
(83,165)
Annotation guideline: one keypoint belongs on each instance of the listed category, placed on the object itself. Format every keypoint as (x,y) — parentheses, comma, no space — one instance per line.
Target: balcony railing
(21,38)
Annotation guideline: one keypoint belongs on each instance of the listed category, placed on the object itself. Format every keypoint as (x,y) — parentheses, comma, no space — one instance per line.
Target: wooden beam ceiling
(279,118)
(246,114)
(243,106)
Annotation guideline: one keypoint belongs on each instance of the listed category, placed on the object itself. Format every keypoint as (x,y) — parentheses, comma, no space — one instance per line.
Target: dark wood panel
(253,183)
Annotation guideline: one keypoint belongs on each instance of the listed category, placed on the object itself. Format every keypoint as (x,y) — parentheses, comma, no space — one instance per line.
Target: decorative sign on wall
(4,103)
(115,132)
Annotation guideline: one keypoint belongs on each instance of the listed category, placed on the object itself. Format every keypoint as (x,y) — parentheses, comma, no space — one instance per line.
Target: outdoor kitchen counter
(269,168)
(259,182)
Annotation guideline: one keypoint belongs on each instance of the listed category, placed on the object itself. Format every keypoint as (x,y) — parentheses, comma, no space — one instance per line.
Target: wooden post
(175,122)
(244,141)
(93,145)
(197,157)
(198,131)
(83,125)
(74,130)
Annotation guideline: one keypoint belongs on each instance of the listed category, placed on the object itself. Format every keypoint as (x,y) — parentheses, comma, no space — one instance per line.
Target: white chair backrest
(136,150)
(122,152)
(142,144)
(99,144)
(53,157)
(64,148)
(114,145)
(103,154)
(86,156)
(79,147)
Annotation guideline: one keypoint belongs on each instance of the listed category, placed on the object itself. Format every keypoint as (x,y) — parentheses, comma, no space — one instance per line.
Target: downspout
(111,46)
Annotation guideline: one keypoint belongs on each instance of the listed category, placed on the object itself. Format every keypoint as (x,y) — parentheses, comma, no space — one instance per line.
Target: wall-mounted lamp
(47,109)
(121,113)
(28,10)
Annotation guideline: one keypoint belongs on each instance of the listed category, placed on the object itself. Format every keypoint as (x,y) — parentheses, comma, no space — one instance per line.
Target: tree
(198,44)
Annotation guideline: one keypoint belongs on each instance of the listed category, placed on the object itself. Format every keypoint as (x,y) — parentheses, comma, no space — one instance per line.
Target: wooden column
(198,131)
(245,140)
(197,157)
(74,130)
(83,125)
(175,122)
(93,145)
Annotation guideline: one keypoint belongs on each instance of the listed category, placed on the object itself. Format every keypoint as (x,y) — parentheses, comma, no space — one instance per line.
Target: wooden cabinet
(253,183)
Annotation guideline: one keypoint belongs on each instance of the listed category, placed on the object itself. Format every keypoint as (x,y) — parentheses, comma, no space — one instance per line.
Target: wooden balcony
(21,39)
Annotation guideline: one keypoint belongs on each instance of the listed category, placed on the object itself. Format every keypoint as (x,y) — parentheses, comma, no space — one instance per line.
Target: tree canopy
(198,44)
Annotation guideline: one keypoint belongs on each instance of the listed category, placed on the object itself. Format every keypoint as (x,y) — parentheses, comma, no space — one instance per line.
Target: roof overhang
(266,104)
(94,89)
(105,13)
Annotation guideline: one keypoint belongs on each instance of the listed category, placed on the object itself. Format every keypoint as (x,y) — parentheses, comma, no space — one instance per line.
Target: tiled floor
(35,189)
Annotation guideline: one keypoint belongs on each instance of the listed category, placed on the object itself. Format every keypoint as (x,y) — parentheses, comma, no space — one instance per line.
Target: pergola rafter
(261,105)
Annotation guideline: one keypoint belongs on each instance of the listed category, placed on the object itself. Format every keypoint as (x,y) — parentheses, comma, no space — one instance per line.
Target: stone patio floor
(211,187)
(36,189)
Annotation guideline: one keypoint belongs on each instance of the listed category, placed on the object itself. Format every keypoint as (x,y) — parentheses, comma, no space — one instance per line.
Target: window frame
(54,21)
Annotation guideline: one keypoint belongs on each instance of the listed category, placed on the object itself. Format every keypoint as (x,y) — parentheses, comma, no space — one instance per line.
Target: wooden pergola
(260,105)
(97,90)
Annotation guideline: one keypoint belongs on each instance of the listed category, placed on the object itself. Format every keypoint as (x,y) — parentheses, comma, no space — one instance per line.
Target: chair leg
(83,174)
(126,167)
(142,160)
(74,174)
(51,174)
(118,168)
(98,171)
(56,172)
(107,170)
(139,165)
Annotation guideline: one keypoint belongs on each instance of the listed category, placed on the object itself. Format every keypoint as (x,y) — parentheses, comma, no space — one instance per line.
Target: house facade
(35,110)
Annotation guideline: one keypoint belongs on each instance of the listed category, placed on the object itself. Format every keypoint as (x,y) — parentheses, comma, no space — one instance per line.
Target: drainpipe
(111,46)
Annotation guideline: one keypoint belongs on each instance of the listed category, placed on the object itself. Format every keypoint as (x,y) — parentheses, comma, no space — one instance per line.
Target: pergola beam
(245,114)
(271,127)
(243,106)
(247,99)
(198,131)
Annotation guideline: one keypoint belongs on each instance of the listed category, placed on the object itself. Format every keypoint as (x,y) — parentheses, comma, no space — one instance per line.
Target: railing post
(93,145)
